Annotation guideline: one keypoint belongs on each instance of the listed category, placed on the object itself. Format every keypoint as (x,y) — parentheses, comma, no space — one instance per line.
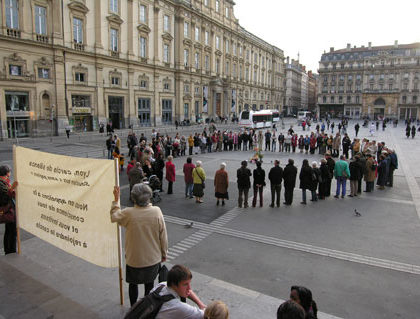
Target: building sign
(79,110)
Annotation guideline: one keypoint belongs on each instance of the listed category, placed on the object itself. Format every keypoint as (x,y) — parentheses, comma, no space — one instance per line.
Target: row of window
(357,99)
(17,70)
(371,76)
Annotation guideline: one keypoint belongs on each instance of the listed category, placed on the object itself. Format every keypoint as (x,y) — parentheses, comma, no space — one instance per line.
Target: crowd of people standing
(343,159)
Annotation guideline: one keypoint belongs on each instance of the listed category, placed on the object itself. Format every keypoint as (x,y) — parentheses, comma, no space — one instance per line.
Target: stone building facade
(373,81)
(293,87)
(132,62)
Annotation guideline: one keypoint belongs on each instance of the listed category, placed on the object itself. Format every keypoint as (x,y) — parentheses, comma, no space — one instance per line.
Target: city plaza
(356,267)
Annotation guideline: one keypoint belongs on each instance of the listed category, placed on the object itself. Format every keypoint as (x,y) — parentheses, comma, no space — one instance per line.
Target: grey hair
(199,163)
(223,165)
(141,194)
(314,163)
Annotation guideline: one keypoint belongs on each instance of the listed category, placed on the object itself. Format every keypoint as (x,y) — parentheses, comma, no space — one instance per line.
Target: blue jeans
(341,183)
(189,190)
(304,195)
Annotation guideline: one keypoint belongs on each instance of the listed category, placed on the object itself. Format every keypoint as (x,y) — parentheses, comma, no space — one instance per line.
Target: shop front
(18,114)
(81,119)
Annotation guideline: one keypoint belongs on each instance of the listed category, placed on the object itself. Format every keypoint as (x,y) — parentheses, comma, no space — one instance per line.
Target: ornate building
(381,81)
(132,62)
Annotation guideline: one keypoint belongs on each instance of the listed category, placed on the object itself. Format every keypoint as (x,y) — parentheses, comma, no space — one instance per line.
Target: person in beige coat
(370,173)
(146,240)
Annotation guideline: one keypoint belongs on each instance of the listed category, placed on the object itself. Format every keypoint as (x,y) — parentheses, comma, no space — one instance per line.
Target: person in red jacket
(170,173)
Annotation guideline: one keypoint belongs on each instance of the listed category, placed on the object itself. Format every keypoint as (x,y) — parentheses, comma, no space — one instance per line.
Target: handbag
(202,180)
(163,273)
(7,214)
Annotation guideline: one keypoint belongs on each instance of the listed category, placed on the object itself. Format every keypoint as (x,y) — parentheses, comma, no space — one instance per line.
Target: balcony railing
(79,46)
(42,38)
(14,33)
(115,54)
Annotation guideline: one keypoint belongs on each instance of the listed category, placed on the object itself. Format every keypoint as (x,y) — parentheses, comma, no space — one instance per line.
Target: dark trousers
(170,187)
(190,150)
(257,190)
(327,188)
(390,181)
(267,145)
(275,191)
(370,186)
(133,291)
(359,185)
(288,195)
(243,197)
(9,239)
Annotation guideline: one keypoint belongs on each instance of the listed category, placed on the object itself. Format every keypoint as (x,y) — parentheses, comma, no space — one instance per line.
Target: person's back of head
(216,310)
(290,310)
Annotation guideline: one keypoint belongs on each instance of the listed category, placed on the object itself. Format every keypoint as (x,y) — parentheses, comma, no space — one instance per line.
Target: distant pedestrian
(259,183)
(289,177)
(188,178)
(243,175)
(199,176)
(275,176)
(305,178)
(170,174)
(341,173)
(413,131)
(221,184)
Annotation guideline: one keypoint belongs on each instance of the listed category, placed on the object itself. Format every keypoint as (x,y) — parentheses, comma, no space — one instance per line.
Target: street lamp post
(52,121)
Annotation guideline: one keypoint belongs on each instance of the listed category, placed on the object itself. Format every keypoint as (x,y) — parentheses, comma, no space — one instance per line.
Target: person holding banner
(7,209)
(146,240)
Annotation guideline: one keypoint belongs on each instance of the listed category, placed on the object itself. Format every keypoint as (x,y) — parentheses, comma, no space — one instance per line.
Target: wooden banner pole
(16,201)
(120,266)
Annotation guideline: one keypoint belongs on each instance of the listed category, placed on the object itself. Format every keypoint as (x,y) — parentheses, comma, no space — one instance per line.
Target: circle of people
(369,161)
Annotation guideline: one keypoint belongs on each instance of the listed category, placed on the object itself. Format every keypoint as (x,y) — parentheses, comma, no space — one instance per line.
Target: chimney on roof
(287,59)
(354,47)
(370,45)
(348,46)
(331,49)
(396,44)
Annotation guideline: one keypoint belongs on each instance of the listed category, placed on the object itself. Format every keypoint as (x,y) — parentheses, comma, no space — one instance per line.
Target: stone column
(130,27)
(98,26)
(131,101)
(61,103)
(57,23)
(101,111)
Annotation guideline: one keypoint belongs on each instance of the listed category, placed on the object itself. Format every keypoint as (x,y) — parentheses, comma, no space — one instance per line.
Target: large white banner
(66,201)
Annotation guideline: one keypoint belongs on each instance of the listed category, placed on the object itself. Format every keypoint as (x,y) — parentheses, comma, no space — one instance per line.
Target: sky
(310,27)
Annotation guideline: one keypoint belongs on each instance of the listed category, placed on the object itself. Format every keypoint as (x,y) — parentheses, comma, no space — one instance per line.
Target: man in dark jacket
(243,175)
(346,145)
(393,166)
(289,177)
(331,165)
(275,176)
(259,183)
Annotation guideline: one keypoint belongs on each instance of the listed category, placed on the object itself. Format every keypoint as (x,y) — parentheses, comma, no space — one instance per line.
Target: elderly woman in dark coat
(305,178)
(221,184)
(325,178)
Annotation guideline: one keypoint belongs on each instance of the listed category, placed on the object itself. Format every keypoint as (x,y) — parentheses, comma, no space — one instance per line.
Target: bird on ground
(356,213)
(190,225)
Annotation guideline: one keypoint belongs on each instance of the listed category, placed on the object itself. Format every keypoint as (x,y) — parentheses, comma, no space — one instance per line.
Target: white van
(303,115)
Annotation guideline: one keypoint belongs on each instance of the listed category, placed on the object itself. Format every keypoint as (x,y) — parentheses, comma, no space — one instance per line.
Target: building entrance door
(116,111)
(218,104)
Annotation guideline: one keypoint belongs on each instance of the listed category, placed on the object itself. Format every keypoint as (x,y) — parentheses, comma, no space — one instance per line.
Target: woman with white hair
(199,176)
(146,241)
(221,184)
